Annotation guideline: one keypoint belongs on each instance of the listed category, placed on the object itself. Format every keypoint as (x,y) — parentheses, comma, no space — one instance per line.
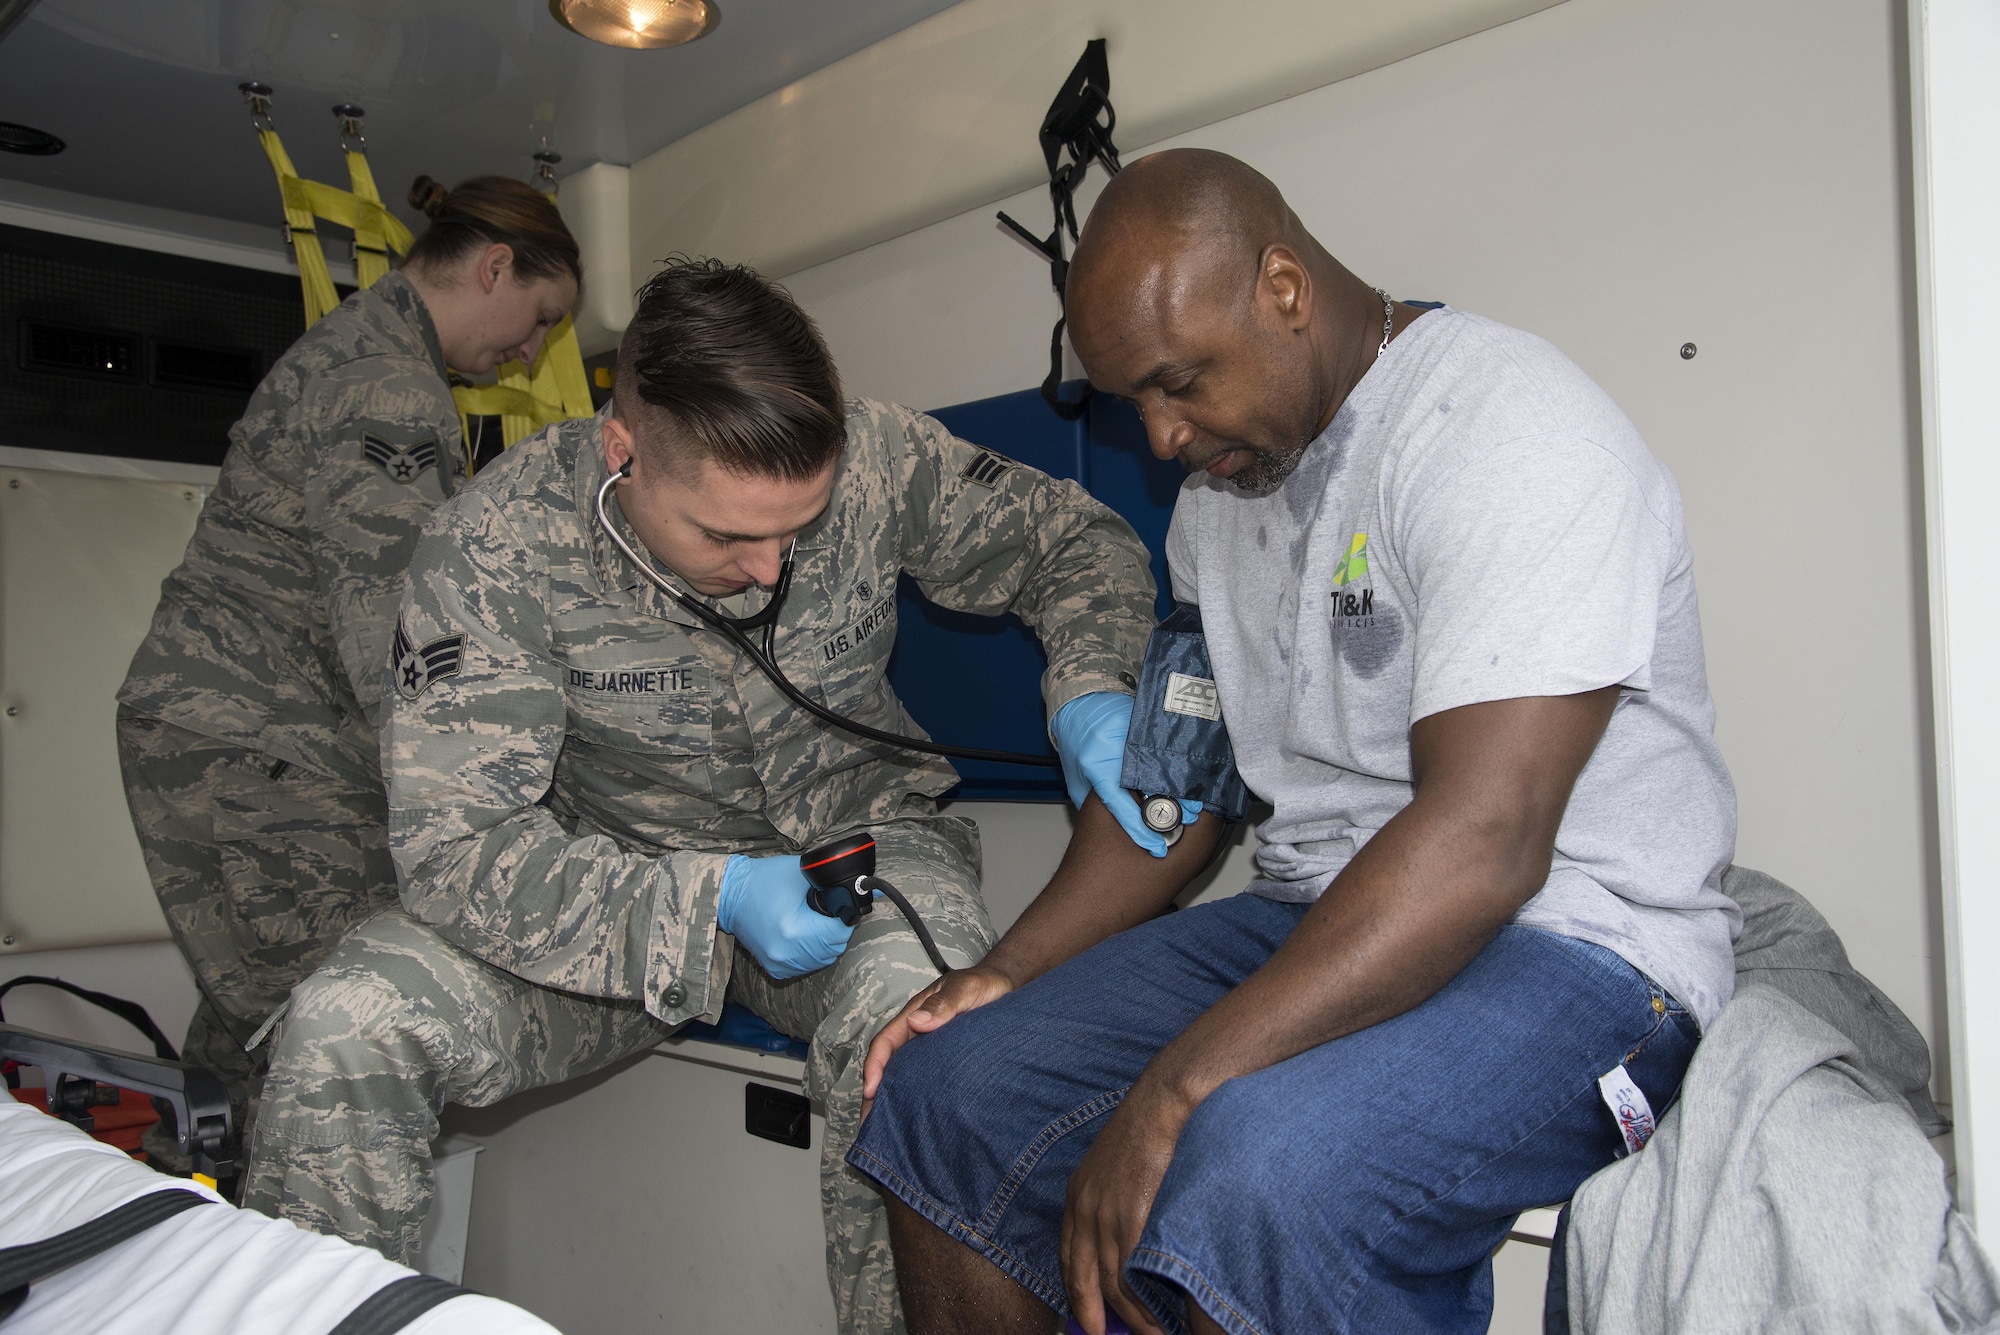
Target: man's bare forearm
(1105,884)
(1366,952)
(1416,904)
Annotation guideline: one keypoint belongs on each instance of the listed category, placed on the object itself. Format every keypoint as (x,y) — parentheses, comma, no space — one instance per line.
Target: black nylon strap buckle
(1079,122)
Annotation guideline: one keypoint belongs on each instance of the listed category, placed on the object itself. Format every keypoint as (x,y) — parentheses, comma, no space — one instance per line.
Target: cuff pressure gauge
(1162,816)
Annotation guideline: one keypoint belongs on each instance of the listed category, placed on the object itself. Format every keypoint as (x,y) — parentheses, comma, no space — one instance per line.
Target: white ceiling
(144,91)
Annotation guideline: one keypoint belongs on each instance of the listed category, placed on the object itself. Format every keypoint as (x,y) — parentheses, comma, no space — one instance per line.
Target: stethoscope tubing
(766,659)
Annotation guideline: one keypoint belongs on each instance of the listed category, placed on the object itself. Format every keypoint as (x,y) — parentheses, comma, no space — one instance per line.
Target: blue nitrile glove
(1089,734)
(763,905)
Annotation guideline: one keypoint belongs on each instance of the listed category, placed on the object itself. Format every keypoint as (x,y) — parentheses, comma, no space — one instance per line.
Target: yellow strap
(314,281)
(517,426)
(524,399)
(376,230)
(559,376)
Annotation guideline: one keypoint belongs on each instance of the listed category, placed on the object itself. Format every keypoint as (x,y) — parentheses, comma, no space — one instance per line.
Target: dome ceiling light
(639,25)
(27,139)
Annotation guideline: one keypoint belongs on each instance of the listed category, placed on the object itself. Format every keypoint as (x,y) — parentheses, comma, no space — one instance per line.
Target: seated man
(1450,609)
(591,791)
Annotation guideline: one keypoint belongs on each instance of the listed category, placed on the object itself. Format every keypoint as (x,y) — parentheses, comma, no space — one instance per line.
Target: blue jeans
(1361,1185)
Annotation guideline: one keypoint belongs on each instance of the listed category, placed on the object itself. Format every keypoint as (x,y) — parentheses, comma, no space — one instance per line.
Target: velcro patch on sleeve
(986,468)
(419,666)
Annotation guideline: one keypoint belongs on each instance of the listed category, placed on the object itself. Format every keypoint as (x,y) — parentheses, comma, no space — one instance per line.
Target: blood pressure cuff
(1178,746)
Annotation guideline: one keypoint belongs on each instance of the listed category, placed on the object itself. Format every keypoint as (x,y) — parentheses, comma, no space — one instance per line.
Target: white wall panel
(597,207)
(151,973)
(942,116)
(633,1200)
(81,559)
(1621,177)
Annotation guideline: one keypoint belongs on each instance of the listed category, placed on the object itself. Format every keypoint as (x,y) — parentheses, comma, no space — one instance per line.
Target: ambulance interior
(1754,222)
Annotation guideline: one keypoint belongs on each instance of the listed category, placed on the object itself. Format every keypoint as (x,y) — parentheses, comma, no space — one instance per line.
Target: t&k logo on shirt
(1353,607)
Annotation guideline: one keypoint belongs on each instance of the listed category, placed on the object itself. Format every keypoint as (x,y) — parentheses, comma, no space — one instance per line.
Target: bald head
(1198,295)
(1177,224)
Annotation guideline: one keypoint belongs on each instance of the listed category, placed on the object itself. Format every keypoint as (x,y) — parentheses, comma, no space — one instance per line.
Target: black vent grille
(222,370)
(200,334)
(96,353)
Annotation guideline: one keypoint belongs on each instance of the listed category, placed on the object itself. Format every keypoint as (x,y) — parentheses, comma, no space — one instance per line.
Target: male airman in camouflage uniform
(574,759)
(247,725)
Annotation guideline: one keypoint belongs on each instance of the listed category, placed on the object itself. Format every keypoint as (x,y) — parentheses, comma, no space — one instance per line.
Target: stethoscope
(737,631)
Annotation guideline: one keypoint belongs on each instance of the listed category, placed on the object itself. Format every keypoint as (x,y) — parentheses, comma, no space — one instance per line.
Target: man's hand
(1110,1195)
(954,994)
(763,905)
(1103,886)
(1089,734)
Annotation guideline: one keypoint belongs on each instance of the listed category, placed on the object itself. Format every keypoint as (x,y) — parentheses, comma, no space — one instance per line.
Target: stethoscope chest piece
(1162,816)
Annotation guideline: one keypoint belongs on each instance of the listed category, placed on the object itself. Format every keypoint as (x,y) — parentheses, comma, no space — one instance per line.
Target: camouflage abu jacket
(272,631)
(571,761)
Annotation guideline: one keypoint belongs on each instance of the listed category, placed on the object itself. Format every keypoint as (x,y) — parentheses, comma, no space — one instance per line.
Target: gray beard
(1267,472)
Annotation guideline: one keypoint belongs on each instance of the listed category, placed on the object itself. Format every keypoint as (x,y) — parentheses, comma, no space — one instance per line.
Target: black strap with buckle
(1078,124)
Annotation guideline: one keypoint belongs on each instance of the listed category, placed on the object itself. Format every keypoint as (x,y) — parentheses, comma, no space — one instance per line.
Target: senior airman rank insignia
(403,463)
(416,666)
(986,468)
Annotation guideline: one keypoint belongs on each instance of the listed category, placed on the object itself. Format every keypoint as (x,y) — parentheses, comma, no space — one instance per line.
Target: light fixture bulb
(638,24)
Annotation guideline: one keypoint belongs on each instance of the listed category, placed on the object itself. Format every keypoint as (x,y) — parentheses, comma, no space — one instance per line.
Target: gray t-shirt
(1479,522)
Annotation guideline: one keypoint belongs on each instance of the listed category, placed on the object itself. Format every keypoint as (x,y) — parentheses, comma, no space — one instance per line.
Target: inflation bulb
(841,883)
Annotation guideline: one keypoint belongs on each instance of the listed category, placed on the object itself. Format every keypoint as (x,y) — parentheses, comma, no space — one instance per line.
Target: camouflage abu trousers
(259,875)
(399,1022)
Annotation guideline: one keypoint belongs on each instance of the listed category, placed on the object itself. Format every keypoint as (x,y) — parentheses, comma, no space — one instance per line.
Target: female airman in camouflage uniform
(246,725)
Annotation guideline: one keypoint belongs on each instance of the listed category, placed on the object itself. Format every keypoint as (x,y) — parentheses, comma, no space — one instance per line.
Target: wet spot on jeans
(1263,538)
(1368,647)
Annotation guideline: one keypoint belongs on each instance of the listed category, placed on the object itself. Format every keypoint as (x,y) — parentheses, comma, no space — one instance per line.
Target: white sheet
(212,1270)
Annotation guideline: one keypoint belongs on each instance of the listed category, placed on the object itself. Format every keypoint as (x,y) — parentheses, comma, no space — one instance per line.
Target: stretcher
(203,1267)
